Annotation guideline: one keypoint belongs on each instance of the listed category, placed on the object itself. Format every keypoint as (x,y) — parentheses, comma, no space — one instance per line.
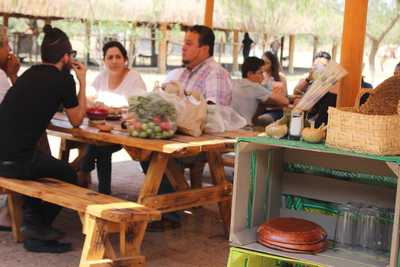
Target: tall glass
(368,235)
(345,225)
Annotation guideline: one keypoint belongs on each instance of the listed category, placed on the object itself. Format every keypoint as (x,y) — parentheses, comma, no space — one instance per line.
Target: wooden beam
(47,21)
(162,56)
(236,48)
(354,28)
(221,193)
(5,20)
(209,12)
(88,30)
(315,45)
(292,42)
(334,51)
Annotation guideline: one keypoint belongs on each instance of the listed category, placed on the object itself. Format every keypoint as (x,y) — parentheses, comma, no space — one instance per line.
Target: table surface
(178,144)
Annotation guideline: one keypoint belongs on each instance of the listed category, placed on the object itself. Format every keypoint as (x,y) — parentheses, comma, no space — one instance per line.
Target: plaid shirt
(209,78)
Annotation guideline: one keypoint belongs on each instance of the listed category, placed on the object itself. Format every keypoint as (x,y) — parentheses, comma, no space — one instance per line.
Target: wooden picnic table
(163,155)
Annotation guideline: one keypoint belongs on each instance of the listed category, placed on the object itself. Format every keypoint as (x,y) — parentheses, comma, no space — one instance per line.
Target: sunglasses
(72,54)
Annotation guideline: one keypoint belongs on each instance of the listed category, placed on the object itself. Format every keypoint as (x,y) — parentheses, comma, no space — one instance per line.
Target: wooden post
(315,46)
(282,47)
(162,56)
(209,12)
(5,20)
(236,48)
(292,40)
(334,51)
(354,27)
(132,46)
(47,21)
(87,41)
(153,61)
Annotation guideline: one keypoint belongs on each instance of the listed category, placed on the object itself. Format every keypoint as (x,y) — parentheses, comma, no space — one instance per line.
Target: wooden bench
(101,215)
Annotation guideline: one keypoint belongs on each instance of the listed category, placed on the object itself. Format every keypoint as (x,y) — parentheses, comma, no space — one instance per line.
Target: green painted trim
(315,147)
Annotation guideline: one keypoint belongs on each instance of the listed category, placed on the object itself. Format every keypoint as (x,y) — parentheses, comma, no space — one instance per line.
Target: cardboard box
(259,199)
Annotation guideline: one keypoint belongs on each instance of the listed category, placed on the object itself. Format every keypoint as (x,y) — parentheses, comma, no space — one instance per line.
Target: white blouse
(4,84)
(131,85)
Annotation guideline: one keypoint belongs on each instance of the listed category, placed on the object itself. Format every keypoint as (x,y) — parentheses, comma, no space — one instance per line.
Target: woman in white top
(112,87)
(273,79)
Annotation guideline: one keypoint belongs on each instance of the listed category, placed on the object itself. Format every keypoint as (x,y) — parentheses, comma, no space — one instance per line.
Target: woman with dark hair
(273,76)
(275,81)
(111,88)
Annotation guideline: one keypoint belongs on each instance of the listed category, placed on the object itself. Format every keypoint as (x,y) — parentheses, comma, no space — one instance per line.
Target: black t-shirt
(28,107)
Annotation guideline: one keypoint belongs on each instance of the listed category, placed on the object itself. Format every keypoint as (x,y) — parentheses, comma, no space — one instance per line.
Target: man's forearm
(82,97)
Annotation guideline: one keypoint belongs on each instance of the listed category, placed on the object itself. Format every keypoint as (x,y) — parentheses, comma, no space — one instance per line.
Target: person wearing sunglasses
(25,113)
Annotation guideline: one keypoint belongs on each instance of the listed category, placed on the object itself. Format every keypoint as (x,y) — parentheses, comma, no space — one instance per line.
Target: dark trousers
(36,211)
(100,156)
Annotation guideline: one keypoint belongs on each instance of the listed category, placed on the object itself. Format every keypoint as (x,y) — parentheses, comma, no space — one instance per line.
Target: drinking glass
(345,225)
(368,233)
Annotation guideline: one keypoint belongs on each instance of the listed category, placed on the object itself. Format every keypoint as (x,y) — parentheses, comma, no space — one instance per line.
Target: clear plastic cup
(386,224)
(345,225)
(368,233)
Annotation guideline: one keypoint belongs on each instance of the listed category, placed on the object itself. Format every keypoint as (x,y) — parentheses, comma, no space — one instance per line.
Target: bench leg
(94,246)
(131,238)
(99,252)
(15,208)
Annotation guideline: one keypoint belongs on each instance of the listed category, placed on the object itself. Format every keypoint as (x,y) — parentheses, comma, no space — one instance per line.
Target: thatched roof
(228,14)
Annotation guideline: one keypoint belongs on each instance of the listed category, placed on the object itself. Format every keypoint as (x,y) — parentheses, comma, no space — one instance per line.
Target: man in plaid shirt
(201,72)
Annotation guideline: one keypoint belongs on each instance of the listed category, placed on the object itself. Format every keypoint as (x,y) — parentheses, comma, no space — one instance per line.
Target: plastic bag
(215,122)
(223,118)
(232,119)
(191,108)
(151,116)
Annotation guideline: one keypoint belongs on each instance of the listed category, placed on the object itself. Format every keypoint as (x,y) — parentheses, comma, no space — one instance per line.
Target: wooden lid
(312,248)
(322,246)
(291,231)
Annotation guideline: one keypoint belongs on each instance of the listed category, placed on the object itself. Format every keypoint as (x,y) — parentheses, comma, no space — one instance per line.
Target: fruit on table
(155,128)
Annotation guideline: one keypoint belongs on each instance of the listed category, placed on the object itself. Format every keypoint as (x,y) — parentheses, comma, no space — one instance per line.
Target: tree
(383,15)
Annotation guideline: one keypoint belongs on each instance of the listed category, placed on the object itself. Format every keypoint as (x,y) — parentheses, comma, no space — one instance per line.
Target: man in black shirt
(25,114)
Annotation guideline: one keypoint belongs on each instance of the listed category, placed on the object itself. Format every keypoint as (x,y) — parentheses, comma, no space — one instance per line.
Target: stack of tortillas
(293,235)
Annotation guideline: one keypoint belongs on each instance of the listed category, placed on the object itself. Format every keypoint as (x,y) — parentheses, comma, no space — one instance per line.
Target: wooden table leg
(175,175)
(217,170)
(152,181)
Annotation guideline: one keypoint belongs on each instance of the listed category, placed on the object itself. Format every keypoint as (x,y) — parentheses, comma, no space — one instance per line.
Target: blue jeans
(100,156)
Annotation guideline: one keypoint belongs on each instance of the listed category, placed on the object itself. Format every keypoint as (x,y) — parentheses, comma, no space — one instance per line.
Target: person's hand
(12,66)
(80,71)
(278,88)
(296,99)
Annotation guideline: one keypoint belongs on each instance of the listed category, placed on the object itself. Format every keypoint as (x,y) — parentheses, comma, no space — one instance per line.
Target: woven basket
(376,132)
